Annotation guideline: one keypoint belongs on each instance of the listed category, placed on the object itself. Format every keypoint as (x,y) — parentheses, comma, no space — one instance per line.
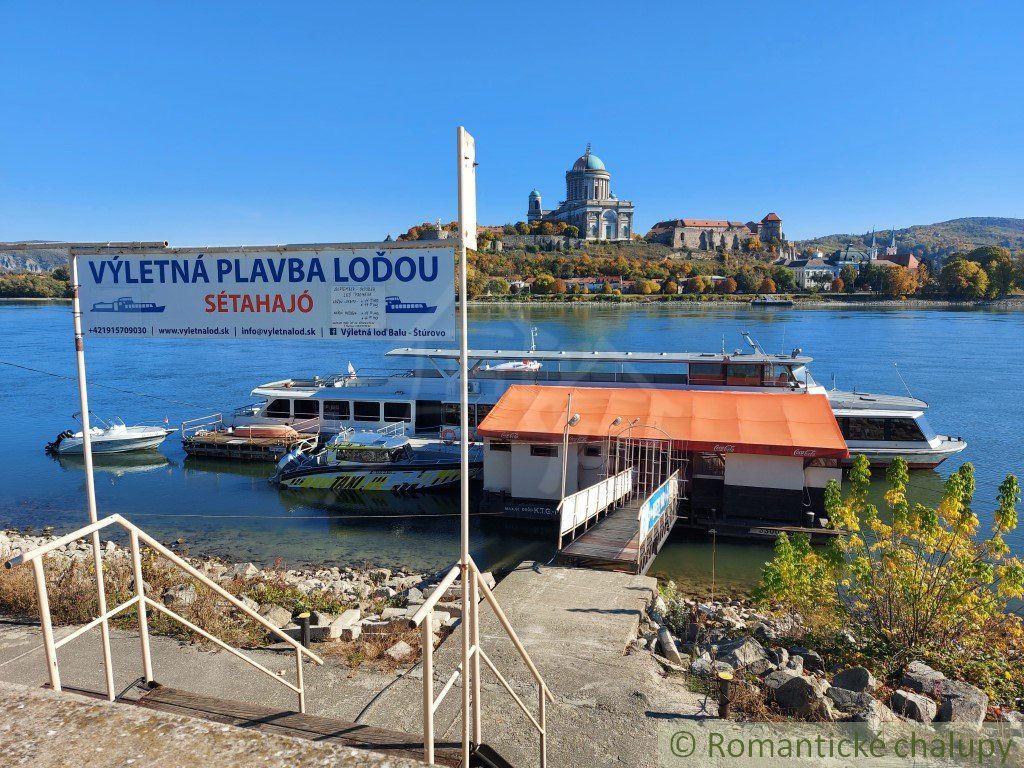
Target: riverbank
(360,614)
(799,302)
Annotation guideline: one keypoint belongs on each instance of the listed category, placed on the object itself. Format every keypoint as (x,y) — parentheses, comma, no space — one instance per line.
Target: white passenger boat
(426,394)
(374,461)
(113,436)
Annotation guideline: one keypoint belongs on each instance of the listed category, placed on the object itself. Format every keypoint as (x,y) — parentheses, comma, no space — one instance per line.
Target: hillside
(935,240)
(31,260)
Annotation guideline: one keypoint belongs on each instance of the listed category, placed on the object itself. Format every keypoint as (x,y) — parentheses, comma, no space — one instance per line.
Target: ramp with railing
(631,533)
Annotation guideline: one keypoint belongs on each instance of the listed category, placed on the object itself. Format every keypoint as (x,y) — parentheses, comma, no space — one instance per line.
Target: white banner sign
(395,294)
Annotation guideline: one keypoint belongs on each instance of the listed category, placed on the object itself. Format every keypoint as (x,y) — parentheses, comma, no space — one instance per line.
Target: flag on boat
(351,370)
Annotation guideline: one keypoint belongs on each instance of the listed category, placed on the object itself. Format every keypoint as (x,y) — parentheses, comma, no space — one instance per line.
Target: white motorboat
(112,437)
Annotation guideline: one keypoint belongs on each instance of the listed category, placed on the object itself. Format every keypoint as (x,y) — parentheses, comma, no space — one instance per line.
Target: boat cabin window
(281,408)
(744,375)
(506,447)
(451,415)
(428,414)
(307,409)
(543,450)
(366,410)
(707,373)
(708,465)
(776,376)
(336,410)
(481,413)
(397,411)
(592,450)
(904,429)
(476,413)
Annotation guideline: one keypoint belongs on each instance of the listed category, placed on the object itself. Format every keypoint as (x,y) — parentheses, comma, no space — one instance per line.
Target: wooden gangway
(623,531)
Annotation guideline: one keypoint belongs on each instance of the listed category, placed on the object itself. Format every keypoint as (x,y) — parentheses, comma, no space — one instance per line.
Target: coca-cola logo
(725,449)
(807,452)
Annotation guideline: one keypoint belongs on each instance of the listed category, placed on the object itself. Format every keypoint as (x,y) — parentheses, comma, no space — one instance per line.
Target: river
(965,363)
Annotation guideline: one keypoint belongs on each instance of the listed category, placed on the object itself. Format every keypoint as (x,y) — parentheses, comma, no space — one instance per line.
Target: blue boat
(394,305)
(127,304)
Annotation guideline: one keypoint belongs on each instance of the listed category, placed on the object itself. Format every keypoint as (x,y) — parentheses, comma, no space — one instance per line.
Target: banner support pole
(90,480)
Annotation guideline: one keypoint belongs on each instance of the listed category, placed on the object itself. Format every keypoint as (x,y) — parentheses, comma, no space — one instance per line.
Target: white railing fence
(656,516)
(141,602)
(423,619)
(580,508)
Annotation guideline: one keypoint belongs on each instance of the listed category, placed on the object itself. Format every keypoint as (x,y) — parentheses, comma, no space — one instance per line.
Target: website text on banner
(391,293)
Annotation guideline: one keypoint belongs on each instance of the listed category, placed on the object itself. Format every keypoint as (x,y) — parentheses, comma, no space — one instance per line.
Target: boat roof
(369,440)
(602,356)
(863,401)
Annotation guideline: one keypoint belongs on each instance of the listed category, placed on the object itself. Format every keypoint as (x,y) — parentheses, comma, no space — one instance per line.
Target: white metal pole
(565,440)
(90,484)
(467,605)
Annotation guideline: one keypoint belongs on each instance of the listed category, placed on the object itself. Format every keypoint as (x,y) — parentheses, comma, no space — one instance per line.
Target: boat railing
(143,604)
(213,422)
(656,517)
(473,581)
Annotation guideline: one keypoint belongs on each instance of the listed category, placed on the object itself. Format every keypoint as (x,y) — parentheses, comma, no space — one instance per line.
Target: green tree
(784,278)
(963,279)
(572,231)
(849,276)
(522,228)
(1002,274)
(497,286)
(544,284)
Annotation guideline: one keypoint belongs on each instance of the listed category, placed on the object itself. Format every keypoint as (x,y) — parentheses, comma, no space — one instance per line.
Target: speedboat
(113,437)
(374,461)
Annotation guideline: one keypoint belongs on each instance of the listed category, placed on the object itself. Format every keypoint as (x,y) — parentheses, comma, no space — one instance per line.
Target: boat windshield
(802,375)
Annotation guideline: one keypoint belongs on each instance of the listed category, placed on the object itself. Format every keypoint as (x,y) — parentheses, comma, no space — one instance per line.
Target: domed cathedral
(589,203)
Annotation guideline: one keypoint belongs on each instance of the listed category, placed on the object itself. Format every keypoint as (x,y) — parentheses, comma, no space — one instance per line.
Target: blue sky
(221,123)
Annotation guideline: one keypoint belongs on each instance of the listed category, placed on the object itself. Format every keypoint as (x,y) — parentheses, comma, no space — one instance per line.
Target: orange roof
(722,422)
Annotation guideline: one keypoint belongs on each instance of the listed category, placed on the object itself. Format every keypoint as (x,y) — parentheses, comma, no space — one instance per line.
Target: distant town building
(589,205)
(710,234)
(812,273)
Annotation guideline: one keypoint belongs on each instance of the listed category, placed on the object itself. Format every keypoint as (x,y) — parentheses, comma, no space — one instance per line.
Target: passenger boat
(113,437)
(394,305)
(128,305)
(426,394)
(374,461)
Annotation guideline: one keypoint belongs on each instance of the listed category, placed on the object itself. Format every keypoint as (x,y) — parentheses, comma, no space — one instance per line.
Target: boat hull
(72,446)
(925,457)
(355,478)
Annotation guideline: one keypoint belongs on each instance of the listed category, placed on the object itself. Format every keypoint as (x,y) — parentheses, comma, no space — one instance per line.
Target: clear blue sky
(248,122)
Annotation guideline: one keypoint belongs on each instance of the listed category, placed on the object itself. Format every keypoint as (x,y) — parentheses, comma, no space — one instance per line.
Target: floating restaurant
(744,460)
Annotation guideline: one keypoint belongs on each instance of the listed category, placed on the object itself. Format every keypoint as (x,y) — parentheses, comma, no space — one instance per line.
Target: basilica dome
(588,162)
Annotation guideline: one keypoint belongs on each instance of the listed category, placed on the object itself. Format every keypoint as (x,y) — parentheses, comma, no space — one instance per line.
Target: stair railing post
(543,727)
(299,681)
(427,643)
(140,593)
(47,624)
(474,623)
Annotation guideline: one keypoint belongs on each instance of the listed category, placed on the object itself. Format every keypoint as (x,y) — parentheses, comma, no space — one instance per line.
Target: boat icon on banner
(128,305)
(394,305)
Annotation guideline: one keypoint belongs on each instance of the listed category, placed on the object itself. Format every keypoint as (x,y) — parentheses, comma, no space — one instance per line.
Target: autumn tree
(963,279)
(767,285)
(727,286)
(899,282)
(544,284)
(838,285)
(559,287)
(670,288)
(753,244)
(849,276)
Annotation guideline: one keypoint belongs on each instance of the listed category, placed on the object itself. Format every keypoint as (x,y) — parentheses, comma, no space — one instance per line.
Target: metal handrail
(471,623)
(621,485)
(141,602)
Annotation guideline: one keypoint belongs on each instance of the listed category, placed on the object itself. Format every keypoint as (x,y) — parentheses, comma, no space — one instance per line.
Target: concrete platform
(576,624)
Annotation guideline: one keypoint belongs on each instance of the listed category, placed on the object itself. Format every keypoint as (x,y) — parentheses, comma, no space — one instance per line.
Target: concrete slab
(50,730)
(575,624)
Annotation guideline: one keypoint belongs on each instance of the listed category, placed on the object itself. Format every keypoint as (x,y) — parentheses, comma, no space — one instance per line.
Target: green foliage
(34,285)
(963,279)
(921,582)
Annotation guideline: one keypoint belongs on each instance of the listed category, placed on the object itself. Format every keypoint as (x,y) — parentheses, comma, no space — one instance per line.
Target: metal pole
(565,441)
(427,641)
(90,484)
(299,683)
(467,606)
(47,624)
(140,591)
(474,598)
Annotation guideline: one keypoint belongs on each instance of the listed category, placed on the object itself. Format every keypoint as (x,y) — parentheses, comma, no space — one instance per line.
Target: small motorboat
(113,437)
(374,461)
(771,301)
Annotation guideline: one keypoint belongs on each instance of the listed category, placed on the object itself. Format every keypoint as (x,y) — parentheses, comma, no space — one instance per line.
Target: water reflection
(117,464)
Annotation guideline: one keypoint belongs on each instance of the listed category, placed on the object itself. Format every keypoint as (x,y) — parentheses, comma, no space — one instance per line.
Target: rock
(812,659)
(394,613)
(320,619)
(349,618)
(178,597)
(438,619)
(921,678)
(637,645)
(760,668)
(1011,716)
(399,651)
(860,707)
(414,596)
(667,646)
(779,656)
(742,653)
(383,593)
(704,665)
(275,614)
(488,578)
(855,679)
(794,692)
(913,705)
(795,664)
(961,702)
(349,633)
(249,603)
(454,609)
(242,571)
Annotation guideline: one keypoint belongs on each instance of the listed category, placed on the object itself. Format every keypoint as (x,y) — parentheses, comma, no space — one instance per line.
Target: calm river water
(966,364)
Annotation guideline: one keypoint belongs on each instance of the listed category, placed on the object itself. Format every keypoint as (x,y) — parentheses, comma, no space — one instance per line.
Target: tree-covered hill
(935,240)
